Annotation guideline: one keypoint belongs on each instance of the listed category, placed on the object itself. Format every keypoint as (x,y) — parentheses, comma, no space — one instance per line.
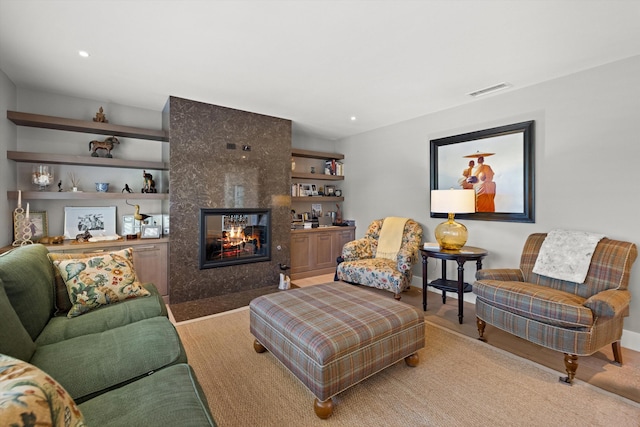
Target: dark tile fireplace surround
(221,158)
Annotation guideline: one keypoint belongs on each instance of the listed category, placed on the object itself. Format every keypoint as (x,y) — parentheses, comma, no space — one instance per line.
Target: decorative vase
(42,176)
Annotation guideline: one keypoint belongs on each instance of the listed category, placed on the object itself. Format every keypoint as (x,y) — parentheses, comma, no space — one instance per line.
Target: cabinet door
(150,262)
(340,239)
(324,251)
(300,253)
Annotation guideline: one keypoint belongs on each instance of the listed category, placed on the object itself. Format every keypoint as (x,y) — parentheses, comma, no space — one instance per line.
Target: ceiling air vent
(490,89)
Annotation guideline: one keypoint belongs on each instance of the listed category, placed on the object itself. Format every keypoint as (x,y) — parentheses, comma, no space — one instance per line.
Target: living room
(585,151)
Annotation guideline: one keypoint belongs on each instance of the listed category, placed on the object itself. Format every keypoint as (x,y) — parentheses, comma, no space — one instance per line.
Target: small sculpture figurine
(100,116)
(107,144)
(149,183)
(83,237)
(60,186)
(127,189)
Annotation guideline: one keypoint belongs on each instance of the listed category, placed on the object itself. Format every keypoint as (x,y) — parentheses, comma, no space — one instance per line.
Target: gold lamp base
(451,235)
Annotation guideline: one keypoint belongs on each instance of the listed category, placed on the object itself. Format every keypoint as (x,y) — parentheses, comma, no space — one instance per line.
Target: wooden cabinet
(314,251)
(150,258)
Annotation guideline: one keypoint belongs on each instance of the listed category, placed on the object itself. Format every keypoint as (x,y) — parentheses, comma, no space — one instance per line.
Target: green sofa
(122,364)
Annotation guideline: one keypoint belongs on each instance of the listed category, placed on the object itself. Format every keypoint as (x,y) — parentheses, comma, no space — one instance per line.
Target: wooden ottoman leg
(323,409)
(481,324)
(412,360)
(259,348)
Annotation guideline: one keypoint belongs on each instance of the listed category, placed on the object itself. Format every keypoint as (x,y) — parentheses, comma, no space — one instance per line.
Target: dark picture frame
(506,154)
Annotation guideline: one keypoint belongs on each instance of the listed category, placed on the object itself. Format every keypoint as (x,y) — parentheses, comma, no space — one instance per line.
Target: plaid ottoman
(335,335)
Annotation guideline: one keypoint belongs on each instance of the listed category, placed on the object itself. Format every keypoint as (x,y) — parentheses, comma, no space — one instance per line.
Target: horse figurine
(107,144)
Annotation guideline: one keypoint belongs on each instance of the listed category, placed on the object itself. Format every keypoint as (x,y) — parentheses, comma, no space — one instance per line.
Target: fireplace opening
(234,236)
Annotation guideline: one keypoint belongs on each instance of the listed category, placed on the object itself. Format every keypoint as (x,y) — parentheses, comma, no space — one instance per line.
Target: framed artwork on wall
(97,220)
(497,163)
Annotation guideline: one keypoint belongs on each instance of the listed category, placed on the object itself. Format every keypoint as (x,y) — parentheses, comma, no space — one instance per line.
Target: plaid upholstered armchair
(360,265)
(575,318)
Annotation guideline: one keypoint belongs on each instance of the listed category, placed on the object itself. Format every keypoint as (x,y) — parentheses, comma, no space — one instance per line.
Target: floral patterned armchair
(358,264)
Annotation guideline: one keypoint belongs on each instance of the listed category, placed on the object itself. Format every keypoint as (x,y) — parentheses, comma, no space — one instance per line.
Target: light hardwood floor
(595,369)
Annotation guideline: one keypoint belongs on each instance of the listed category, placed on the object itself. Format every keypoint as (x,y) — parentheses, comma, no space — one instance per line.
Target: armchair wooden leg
(397,296)
(481,324)
(571,365)
(617,352)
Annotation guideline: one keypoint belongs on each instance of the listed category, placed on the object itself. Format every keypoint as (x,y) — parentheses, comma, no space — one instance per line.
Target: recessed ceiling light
(490,89)
(353,118)
(83,53)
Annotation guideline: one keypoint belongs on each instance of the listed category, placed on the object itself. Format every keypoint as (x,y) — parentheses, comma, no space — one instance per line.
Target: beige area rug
(459,382)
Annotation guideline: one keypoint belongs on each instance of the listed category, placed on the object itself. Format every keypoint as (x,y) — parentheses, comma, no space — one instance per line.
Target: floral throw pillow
(100,280)
(30,397)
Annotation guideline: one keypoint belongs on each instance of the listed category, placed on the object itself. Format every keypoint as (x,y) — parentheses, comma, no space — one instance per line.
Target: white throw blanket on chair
(390,238)
(566,255)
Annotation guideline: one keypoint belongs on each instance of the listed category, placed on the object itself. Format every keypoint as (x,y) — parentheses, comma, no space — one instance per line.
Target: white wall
(8,101)
(587,158)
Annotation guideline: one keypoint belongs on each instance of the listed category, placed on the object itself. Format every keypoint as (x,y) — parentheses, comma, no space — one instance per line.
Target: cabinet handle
(143,248)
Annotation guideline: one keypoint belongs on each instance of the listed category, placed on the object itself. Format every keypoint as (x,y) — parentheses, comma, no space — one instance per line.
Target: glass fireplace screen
(234,236)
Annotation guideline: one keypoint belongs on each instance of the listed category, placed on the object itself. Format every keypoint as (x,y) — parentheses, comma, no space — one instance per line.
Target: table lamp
(452,235)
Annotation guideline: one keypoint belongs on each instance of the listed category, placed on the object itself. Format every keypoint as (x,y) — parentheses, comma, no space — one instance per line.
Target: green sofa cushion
(14,338)
(102,319)
(170,397)
(28,281)
(92,364)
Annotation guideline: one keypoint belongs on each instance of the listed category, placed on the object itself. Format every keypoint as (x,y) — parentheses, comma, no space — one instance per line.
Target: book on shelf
(333,167)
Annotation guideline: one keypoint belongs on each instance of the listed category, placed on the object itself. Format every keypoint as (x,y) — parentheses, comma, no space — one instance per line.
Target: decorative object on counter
(149,183)
(21,226)
(338,215)
(107,144)
(127,189)
(83,237)
(75,181)
(60,186)
(101,117)
(338,193)
(52,240)
(42,176)
(137,215)
(102,187)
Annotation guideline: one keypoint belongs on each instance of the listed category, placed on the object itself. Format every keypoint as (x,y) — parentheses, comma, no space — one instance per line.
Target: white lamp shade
(453,201)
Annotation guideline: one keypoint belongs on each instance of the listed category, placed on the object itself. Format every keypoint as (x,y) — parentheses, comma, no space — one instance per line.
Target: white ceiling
(315,62)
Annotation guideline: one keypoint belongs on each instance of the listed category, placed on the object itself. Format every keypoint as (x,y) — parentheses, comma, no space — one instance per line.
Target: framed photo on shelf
(330,190)
(37,223)
(150,232)
(97,220)
(316,210)
(305,190)
(314,190)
